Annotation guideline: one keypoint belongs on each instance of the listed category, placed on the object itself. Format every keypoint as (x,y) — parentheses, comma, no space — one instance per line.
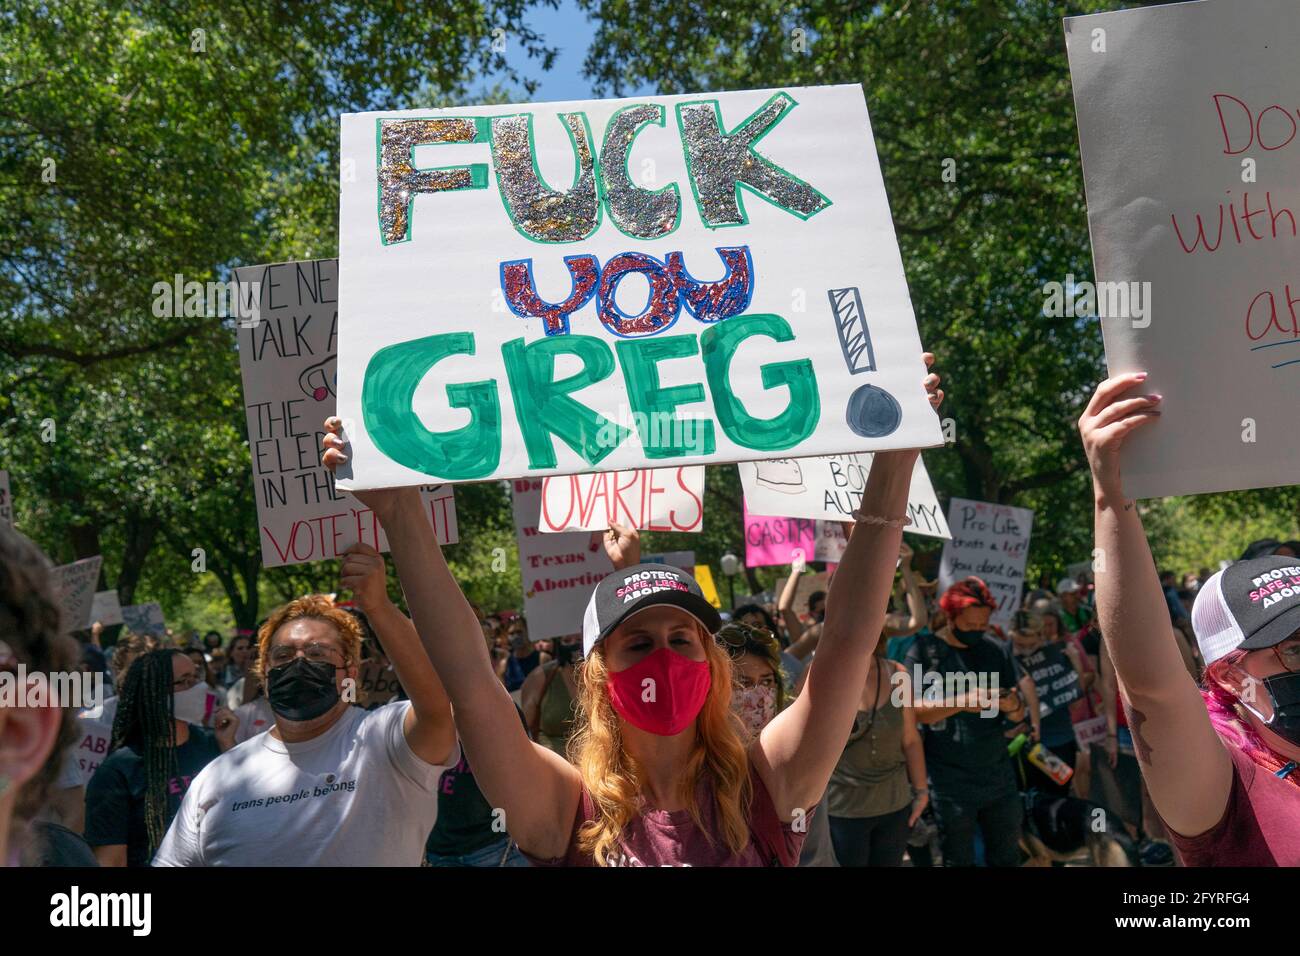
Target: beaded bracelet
(902,522)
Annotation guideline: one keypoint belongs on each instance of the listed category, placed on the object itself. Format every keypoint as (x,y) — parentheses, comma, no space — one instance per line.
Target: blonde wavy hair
(611,775)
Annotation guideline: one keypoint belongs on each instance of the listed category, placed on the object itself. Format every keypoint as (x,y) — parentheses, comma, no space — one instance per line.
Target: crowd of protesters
(885,722)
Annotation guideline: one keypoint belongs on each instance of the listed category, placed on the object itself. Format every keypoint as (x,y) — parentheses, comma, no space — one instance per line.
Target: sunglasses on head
(740,637)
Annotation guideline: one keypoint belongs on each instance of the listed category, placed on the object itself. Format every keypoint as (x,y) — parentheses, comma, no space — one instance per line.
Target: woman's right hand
(1107,421)
(382,501)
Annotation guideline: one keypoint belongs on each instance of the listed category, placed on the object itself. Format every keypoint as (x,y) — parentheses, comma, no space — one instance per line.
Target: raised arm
(785,607)
(537,790)
(797,751)
(918,617)
(1186,768)
(429,728)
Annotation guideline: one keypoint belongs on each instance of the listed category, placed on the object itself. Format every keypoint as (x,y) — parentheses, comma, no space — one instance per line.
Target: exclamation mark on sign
(872,411)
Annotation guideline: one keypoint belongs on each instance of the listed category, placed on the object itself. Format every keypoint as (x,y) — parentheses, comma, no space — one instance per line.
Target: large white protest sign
(830,488)
(287,355)
(145,619)
(608,285)
(6,501)
(105,608)
(658,499)
(75,585)
(990,542)
(1188,133)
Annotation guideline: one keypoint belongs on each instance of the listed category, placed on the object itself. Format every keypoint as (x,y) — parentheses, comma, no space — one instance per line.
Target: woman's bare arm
(1185,765)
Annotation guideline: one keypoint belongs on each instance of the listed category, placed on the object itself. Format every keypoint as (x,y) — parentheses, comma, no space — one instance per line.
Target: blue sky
(568,29)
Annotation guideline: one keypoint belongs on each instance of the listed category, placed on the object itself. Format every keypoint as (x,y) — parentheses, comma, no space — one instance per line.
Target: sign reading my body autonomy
(609,285)
(1191,158)
(990,542)
(830,488)
(288,333)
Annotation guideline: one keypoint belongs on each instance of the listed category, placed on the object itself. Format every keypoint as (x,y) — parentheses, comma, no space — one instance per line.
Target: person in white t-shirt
(329,784)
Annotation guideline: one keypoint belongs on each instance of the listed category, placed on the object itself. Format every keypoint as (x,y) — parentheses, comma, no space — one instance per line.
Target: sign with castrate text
(771,540)
(990,542)
(288,338)
(1190,141)
(610,285)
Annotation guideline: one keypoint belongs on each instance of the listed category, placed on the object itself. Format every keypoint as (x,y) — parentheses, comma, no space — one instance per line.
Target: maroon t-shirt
(1260,826)
(671,838)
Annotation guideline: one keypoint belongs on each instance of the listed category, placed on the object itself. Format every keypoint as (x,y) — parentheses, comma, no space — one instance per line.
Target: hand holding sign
(1109,419)
(623,545)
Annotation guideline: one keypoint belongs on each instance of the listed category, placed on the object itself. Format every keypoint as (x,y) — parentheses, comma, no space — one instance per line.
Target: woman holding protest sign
(1219,761)
(662,775)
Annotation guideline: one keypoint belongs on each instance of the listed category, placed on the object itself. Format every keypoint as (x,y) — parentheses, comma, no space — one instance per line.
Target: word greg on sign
(527,290)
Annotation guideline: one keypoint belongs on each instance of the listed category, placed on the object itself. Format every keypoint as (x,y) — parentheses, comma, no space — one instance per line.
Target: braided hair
(146,722)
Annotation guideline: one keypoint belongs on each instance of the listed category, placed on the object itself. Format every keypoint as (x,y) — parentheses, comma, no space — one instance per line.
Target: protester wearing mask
(524,657)
(33,739)
(1057,672)
(330,784)
(549,696)
(1219,762)
(663,775)
(159,746)
(878,789)
(972,778)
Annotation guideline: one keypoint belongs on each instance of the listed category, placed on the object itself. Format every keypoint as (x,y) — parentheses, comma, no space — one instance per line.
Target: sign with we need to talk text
(611,285)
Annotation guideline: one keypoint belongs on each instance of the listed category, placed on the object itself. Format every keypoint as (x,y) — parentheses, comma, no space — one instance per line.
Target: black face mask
(969,638)
(302,689)
(567,653)
(1284,692)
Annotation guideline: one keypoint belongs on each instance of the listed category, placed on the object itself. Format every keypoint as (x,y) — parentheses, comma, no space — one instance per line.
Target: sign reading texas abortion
(288,332)
(651,499)
(830,488)
(1189,135)
(608,285)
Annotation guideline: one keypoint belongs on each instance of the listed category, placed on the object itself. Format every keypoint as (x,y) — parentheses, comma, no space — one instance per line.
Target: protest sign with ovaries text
(608,285)
(990,542)
(287,356)
(1191,159)
(75,585)
(830,488)
(658,499)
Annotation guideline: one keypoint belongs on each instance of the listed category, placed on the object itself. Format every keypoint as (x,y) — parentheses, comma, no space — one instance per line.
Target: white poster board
(105,609)
(990,542)
(1191,160)
(6,501)
(75,585)
(287,356)
(830,488)
(651,499)
(145,619)
(607,285)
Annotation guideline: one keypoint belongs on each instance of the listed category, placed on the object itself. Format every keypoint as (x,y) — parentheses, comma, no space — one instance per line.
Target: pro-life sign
(990,542)
(515,303)
(288,338)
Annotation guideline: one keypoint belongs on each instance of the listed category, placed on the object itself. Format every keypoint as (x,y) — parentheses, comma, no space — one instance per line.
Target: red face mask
(661,694)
